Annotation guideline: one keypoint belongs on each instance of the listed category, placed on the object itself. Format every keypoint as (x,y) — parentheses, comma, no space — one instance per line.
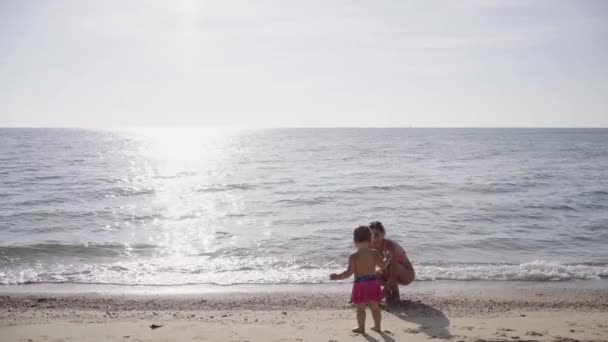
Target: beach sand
(557,315)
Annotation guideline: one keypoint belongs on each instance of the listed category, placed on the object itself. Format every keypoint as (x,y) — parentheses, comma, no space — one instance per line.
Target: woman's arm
(392,271)
(383,262)
(346,274)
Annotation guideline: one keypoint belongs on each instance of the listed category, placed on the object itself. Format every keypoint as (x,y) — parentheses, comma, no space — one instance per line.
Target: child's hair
(362,234)
(377,225)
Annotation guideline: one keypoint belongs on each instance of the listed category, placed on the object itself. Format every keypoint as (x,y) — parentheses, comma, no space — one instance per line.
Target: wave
(7,194)
(596,193)
(597,227)
(36,202)
(533,271)
(90,250)
(42,215)
(279,182)
(227,187)
(383,188)
(125,192)
(43,178)
(305,201)
(493,188)
(556,207)
(45,215)
(147,274)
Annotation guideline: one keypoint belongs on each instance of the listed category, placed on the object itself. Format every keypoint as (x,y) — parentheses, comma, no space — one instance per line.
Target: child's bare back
(364,262)
(366,289)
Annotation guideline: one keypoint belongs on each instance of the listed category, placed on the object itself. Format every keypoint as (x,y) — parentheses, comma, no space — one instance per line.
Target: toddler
(366,289)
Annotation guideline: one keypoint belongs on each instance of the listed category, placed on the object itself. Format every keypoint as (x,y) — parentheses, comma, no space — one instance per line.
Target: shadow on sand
(431,320)
(385,338)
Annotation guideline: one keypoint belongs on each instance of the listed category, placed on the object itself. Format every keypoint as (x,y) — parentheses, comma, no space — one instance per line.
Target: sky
(284,63)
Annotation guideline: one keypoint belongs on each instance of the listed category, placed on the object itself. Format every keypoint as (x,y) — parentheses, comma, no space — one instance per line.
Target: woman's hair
(362,234)
(377,225)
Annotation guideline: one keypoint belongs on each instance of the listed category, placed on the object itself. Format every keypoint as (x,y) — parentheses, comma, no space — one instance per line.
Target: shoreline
(471,314)
(439,287)
(463,301)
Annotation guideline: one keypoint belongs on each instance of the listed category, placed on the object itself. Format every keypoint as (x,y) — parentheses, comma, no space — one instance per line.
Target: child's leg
(360,319)
(376,314)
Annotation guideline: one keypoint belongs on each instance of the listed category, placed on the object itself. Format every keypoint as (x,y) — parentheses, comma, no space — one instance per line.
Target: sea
(193,206)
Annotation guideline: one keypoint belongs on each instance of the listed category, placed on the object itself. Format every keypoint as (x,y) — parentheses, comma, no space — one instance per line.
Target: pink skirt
(366,289)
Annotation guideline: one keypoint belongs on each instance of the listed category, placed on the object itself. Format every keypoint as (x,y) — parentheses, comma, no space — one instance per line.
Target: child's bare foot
(359,330)
(378,330)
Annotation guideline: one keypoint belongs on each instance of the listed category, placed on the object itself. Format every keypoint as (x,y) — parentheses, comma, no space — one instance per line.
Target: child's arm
(346,274)
(383,262)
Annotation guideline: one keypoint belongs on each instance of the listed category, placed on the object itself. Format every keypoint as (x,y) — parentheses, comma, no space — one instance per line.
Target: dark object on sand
(565,339)
(155,326)
(484,340)
(491,340)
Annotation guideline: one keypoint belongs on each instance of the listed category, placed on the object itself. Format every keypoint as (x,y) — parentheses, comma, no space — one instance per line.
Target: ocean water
(208,206)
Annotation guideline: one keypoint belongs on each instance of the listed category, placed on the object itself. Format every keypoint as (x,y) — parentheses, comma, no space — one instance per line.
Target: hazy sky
(304,63)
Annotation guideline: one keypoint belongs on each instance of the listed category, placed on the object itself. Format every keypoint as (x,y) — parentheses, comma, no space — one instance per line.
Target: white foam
(532,271)
(162,274)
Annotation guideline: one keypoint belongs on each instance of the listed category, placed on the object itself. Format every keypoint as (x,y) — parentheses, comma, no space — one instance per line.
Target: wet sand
(557,315)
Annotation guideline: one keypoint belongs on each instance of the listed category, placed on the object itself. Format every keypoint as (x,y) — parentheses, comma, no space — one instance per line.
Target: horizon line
(301,127)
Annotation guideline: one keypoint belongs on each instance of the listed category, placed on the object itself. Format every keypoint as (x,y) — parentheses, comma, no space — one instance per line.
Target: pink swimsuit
(366,289)
(400,257)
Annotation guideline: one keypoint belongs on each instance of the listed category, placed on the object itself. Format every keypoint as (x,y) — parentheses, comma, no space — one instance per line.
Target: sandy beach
(553,314)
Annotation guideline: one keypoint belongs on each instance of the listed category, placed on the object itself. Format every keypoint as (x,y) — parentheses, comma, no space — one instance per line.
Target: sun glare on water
(176,145)
(179,165)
